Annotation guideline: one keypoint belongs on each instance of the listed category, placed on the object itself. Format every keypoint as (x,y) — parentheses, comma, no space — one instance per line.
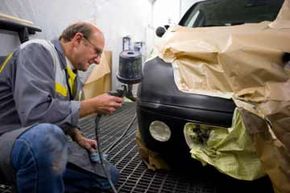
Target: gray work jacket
(27,90)
(34,89)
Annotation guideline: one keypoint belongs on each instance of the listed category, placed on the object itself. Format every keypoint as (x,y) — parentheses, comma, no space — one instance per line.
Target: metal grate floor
(136,178)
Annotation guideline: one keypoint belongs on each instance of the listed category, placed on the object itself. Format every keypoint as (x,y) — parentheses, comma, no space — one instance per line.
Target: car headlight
(160,131)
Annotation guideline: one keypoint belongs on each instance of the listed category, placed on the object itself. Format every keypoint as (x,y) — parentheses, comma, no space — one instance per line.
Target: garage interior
(137,31)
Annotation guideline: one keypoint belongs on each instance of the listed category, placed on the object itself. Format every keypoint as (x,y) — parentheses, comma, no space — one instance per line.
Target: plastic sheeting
(230,150)
(53,16)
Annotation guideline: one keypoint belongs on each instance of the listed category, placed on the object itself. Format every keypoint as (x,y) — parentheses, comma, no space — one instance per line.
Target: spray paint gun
(96,156)
(130,72)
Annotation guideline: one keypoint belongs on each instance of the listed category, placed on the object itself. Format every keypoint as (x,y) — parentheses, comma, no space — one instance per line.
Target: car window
(192,20)
(230,12)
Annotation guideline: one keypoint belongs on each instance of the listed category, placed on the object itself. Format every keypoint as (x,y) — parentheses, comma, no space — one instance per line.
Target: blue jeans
(39,157)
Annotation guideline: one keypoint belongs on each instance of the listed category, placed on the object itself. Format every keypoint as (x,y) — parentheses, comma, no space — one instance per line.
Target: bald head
(85,28)
(83,44)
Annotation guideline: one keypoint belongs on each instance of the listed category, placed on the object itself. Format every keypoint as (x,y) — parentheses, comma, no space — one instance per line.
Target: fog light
(160,131)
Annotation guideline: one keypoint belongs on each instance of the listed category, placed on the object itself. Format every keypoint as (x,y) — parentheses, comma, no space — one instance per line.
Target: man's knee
(48,143)
(49,129)
(46,135)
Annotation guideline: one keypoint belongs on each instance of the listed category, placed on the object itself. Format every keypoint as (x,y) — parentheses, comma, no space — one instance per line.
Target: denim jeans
(39,158)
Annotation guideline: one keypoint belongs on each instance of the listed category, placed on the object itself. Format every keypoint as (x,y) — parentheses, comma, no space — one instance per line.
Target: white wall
(117,18)
(121,18)
(168,12)
(51,16)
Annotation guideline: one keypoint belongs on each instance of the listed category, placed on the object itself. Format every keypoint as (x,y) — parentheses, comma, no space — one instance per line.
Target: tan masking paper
(227,60)
(244,63)
(99,81)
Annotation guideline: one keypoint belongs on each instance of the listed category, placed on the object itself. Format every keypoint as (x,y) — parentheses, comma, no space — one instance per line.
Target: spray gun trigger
(120,92)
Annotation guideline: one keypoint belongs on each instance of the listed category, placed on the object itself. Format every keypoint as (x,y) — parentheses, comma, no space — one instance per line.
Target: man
(39,102)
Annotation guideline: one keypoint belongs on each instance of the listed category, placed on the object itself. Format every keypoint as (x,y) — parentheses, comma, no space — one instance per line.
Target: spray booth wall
(117,18)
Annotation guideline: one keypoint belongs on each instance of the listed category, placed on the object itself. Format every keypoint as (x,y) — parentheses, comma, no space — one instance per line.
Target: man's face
(88,51)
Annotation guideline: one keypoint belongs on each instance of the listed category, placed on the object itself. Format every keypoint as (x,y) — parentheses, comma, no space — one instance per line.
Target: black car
(163,110)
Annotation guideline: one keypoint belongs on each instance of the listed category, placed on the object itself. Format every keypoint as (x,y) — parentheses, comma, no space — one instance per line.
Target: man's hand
(88,144)
(102,104)
(77,136)
(107,104)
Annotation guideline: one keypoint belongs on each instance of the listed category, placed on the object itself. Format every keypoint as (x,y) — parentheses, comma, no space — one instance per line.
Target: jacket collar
(60,52)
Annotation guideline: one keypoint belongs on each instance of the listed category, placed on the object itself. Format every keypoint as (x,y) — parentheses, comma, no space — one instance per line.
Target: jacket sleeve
(34,93)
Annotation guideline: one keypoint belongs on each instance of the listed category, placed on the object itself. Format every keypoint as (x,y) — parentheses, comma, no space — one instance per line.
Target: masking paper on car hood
(238,60)
(243,62)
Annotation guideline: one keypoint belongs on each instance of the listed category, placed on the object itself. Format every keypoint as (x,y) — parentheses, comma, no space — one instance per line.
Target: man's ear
(76,40)
(78,37)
